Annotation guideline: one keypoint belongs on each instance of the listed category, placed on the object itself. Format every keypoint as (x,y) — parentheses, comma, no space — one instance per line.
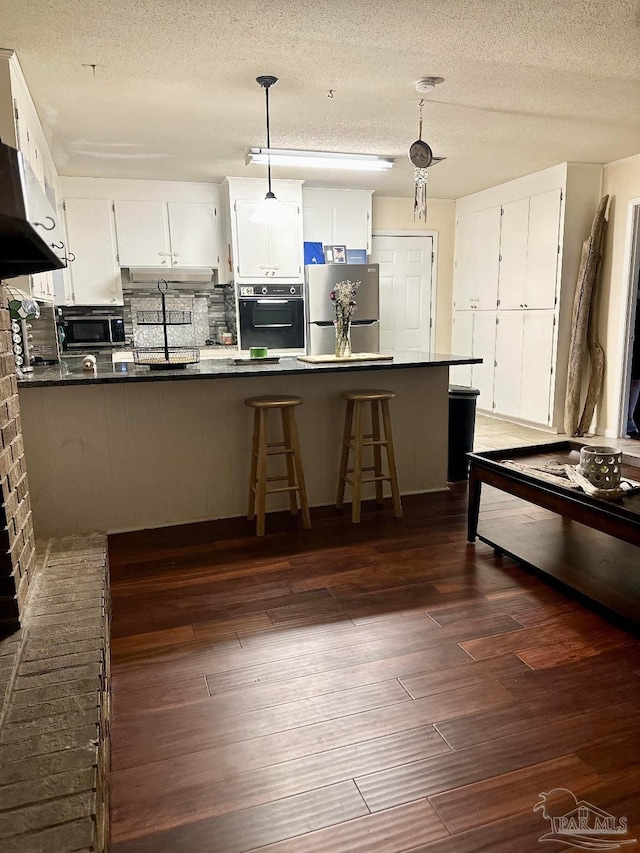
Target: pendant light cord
(266,95)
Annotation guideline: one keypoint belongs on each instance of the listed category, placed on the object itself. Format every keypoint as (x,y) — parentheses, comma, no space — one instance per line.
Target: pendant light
(268,211)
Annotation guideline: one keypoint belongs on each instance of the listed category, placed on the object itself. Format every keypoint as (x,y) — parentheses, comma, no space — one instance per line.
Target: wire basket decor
(154,318)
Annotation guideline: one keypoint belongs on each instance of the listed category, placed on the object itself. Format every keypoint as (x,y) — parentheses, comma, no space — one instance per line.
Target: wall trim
(622,160)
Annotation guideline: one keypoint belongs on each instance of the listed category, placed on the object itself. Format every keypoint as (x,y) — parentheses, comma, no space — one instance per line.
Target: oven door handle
(273,301)
(273,325)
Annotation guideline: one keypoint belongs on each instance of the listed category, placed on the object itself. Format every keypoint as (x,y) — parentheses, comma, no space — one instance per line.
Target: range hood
(30,237)
(178,275)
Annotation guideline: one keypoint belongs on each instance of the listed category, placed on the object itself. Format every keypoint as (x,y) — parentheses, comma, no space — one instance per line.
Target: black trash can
(462,422)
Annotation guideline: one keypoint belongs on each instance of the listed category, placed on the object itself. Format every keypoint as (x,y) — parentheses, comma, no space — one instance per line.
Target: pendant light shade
(268,209)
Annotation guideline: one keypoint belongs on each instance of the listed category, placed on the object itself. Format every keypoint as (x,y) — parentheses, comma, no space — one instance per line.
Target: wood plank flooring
(377,688)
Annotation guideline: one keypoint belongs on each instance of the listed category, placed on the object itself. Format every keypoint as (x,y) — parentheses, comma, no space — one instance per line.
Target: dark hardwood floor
(359,689)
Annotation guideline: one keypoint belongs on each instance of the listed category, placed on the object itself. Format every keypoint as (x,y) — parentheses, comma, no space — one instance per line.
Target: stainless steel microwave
(93,331)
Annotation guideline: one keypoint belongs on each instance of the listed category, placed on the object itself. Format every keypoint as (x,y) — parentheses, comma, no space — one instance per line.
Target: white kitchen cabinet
(265,252)
(193,234)
(545,217)
(477,260)
(94,275)
(337,217)
(543,249)
(462,345)
(142,233)
(537,366)
(158,233)
(474,333)
(268,250)
(513,254)
(524,365)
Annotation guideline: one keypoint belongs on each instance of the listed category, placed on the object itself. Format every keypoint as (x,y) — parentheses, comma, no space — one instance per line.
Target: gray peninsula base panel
(132,455)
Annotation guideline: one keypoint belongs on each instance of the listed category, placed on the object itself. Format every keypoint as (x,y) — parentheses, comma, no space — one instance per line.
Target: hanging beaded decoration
(421,156)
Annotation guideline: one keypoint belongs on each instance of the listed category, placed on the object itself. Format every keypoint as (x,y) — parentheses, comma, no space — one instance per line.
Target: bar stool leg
(357,462)
(291,469)
(261,488)
(251,514)
(391,457)
(297,460)
(344,460)
(377,449)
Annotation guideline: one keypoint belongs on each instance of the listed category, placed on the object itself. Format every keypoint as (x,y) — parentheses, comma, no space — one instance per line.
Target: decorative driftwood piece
(596,356)
(589,264)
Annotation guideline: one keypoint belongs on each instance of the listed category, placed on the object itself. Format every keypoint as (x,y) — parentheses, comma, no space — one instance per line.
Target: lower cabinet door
(484,347)
(508,378)
(537,362)
(462,344)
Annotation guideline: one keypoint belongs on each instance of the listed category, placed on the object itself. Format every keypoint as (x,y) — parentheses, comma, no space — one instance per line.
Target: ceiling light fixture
(319,159)
(269,208)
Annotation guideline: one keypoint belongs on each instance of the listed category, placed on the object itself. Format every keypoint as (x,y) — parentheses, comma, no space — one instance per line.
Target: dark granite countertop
(69,371)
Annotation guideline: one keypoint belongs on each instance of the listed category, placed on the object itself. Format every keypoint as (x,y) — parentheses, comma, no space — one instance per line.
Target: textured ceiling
(527,85)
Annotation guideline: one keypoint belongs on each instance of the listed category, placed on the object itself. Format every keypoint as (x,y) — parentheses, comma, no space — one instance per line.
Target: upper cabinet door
(143,235)
(513,254)
(543,249)
(465,263)
(284,242)
(486,226)
(95,275)
(351,227)
(253,259)
(317,225)
(193,234)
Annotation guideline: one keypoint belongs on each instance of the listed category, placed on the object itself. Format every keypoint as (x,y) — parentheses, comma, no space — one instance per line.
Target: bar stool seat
(261,449)
(355,440)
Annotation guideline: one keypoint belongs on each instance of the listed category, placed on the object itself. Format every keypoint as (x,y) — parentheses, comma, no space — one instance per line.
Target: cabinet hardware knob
(164,262)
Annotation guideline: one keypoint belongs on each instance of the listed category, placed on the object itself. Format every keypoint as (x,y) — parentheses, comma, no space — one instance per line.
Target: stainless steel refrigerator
(320,280)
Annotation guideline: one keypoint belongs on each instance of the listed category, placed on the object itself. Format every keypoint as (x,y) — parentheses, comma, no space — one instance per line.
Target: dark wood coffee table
(592,546)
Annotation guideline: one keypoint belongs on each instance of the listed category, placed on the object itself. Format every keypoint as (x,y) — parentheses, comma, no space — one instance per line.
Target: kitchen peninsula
(127,448)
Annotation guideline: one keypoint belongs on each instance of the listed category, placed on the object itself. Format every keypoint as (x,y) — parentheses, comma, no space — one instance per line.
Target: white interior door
(508,370)
(406,291)
(193,234)
(484,347)
(513,253)
(461,344)
(543,249)
(537,361)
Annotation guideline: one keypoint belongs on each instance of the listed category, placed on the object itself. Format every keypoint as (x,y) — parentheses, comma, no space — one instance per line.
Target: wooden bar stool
(261,450)
(355,439)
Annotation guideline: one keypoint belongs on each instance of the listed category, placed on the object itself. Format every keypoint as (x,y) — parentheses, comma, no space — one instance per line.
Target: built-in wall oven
(271,315)
(92,331)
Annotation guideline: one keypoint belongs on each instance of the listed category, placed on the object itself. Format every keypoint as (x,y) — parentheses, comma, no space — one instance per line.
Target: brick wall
(17,542)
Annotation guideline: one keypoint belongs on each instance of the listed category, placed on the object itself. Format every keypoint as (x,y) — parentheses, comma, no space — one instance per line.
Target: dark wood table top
(566,452)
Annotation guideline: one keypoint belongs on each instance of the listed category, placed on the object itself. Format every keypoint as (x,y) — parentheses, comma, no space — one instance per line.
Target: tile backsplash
(210,313)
